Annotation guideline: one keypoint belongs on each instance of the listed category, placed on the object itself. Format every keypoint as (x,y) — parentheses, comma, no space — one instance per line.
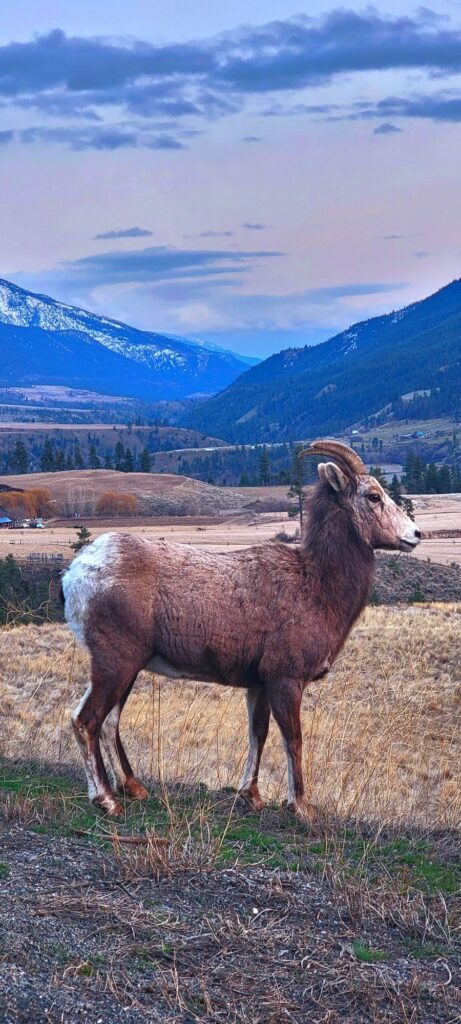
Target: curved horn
(340,452)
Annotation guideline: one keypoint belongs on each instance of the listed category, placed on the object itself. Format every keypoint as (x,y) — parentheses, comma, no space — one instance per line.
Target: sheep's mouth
(408,545)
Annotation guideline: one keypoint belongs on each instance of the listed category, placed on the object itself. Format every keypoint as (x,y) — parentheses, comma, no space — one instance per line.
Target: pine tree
(444,480)
(94,461)
(395,490)
(83,538)
(59,461)
(264,469)
(297,473)
(128,461)
(119,455)
(108,462)
(20,458)
(430,480)
(145,461)
(78,459)
(47,458)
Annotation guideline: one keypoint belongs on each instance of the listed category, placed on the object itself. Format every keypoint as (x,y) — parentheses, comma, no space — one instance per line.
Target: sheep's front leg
(285,702)
(258,726)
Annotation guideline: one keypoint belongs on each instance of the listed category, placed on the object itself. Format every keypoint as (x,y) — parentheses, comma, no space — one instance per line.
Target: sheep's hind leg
(258,726)
(121,770)
(86,722)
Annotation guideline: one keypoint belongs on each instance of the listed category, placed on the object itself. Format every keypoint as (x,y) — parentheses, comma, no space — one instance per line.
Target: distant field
(438,515)
(76,493)
(434,430)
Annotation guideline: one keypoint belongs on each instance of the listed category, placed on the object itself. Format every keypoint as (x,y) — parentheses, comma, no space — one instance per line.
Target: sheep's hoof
(305,811)
(134,789)
(109,805)
(253,799)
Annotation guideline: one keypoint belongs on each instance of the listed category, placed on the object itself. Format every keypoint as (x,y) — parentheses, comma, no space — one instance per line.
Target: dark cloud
(342,291)
(303,51)
(125,233)
(102,137)
(211,234)
(386,129)
(254,227)
(251,138)
(77,78)
(157,263)
(439,107)
(6,137)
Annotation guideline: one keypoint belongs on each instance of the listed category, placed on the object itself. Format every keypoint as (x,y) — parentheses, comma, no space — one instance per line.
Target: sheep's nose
(418,534)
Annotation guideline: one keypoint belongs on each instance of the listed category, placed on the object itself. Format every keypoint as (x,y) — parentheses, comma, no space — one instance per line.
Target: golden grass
(382,732)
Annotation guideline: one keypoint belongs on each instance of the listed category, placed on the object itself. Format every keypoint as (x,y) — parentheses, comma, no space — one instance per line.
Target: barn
(5,520)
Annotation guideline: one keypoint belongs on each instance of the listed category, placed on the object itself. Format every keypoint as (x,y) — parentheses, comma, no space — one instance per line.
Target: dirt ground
(92,937)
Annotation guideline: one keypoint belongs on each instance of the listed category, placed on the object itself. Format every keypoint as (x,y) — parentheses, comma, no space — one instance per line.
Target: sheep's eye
(373,497)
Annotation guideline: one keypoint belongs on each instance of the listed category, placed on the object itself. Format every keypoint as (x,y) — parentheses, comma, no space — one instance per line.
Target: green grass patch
(367,955)
(220,832)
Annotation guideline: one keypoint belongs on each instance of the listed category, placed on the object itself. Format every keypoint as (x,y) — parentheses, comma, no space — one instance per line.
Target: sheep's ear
(333,475)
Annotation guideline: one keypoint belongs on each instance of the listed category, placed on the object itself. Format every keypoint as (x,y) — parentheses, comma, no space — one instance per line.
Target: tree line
(420,477)
(54,458)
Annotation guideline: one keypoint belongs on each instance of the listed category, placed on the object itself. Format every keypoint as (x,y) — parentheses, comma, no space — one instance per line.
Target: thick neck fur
(342,562)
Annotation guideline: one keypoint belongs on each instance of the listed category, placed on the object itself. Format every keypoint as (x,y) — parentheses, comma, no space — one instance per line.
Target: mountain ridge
(320,389)
(43,340)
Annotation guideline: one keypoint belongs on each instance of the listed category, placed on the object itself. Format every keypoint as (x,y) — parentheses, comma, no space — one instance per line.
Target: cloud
(438,107)
(6,137)
(211,234)
(75,78)
(344,291)
(421,254)
(254,227)
(251,138)
(125,233)
(102,137)
(386,129)
(304,51)
(151,266)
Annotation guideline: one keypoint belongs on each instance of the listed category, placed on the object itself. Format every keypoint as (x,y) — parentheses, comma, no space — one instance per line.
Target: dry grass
(382,732)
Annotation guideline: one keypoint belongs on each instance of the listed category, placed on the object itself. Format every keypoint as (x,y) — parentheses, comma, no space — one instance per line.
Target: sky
(260,174)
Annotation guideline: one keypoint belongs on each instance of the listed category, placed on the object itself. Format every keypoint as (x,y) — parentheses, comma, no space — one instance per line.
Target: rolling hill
(47,342)
(302,393)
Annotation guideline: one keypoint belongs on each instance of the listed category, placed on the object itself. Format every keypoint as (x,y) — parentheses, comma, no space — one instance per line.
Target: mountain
(47,342)
(301,393)
(212,347)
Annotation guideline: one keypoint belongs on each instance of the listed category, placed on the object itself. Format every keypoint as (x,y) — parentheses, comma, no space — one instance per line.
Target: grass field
(382,732)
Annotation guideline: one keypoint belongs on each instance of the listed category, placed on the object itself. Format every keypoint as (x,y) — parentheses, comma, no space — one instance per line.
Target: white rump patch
(91,572)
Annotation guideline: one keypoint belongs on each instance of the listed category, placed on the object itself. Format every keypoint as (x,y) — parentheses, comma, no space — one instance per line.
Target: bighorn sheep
(269,618)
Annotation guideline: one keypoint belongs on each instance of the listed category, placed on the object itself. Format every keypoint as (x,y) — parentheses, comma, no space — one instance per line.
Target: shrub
(113,504)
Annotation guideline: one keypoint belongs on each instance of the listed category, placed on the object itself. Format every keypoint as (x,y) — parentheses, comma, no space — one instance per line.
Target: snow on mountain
(179,367)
